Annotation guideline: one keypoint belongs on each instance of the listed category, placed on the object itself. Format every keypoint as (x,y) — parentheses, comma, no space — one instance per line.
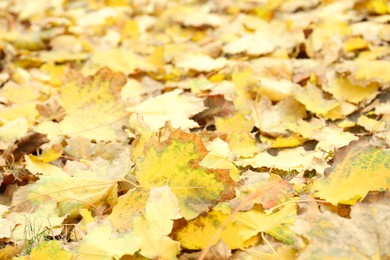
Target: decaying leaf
(360,237)
(25,145)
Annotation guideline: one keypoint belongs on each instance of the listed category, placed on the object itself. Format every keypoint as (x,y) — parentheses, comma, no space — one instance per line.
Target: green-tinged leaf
(130,205)
(50,250)
(175,162)
(277,224)
(208,230)
(360,169)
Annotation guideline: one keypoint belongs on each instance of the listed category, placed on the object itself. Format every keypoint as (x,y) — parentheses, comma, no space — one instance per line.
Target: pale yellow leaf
(313,99)
(12,131)
(201,62)
(102,242)
(172,106)
(357,170)
(92,107)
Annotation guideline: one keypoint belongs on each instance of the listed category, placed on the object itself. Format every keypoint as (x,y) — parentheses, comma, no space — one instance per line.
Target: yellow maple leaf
(324,33)
(19,94)
(154,244)
(201,62)
(50,250)
(175,162)
(154,227)
(342,89)
(27,110)
(38,167)
(361,169)
(365,72)
(12,131)
(71,193)
(287,159)
(355,43)
(243,80)
(102,242)
(172,106)
(200,232)
(275,89)
(283,142)
(274,119)
(262,188)
(371,124)
(312,97)
(252,222)
(328,136)
(91,105)
(130,205)
(86,185)
(219,158)
(237,230)
(265,40)
(119,60)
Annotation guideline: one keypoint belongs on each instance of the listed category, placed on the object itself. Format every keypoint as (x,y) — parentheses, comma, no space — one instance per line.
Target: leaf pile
(194,129)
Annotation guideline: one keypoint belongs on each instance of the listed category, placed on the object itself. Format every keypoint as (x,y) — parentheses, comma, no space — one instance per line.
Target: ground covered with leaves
(164,129)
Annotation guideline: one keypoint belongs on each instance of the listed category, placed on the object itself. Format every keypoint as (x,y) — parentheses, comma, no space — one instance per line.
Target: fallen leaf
(277,224)
(40,219)
(288,160)
(208,230)
(357,169)
(201,62)
(312,98)
(157,223)
(91,106)
(175,163)
(86,185)
(12,131)
(342,89)
(102,242)
(50,250)
(274,119)
(269,190)
(172,106)
(238,128)
(119,60)
(25,145)
(129,206)
(360,237)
